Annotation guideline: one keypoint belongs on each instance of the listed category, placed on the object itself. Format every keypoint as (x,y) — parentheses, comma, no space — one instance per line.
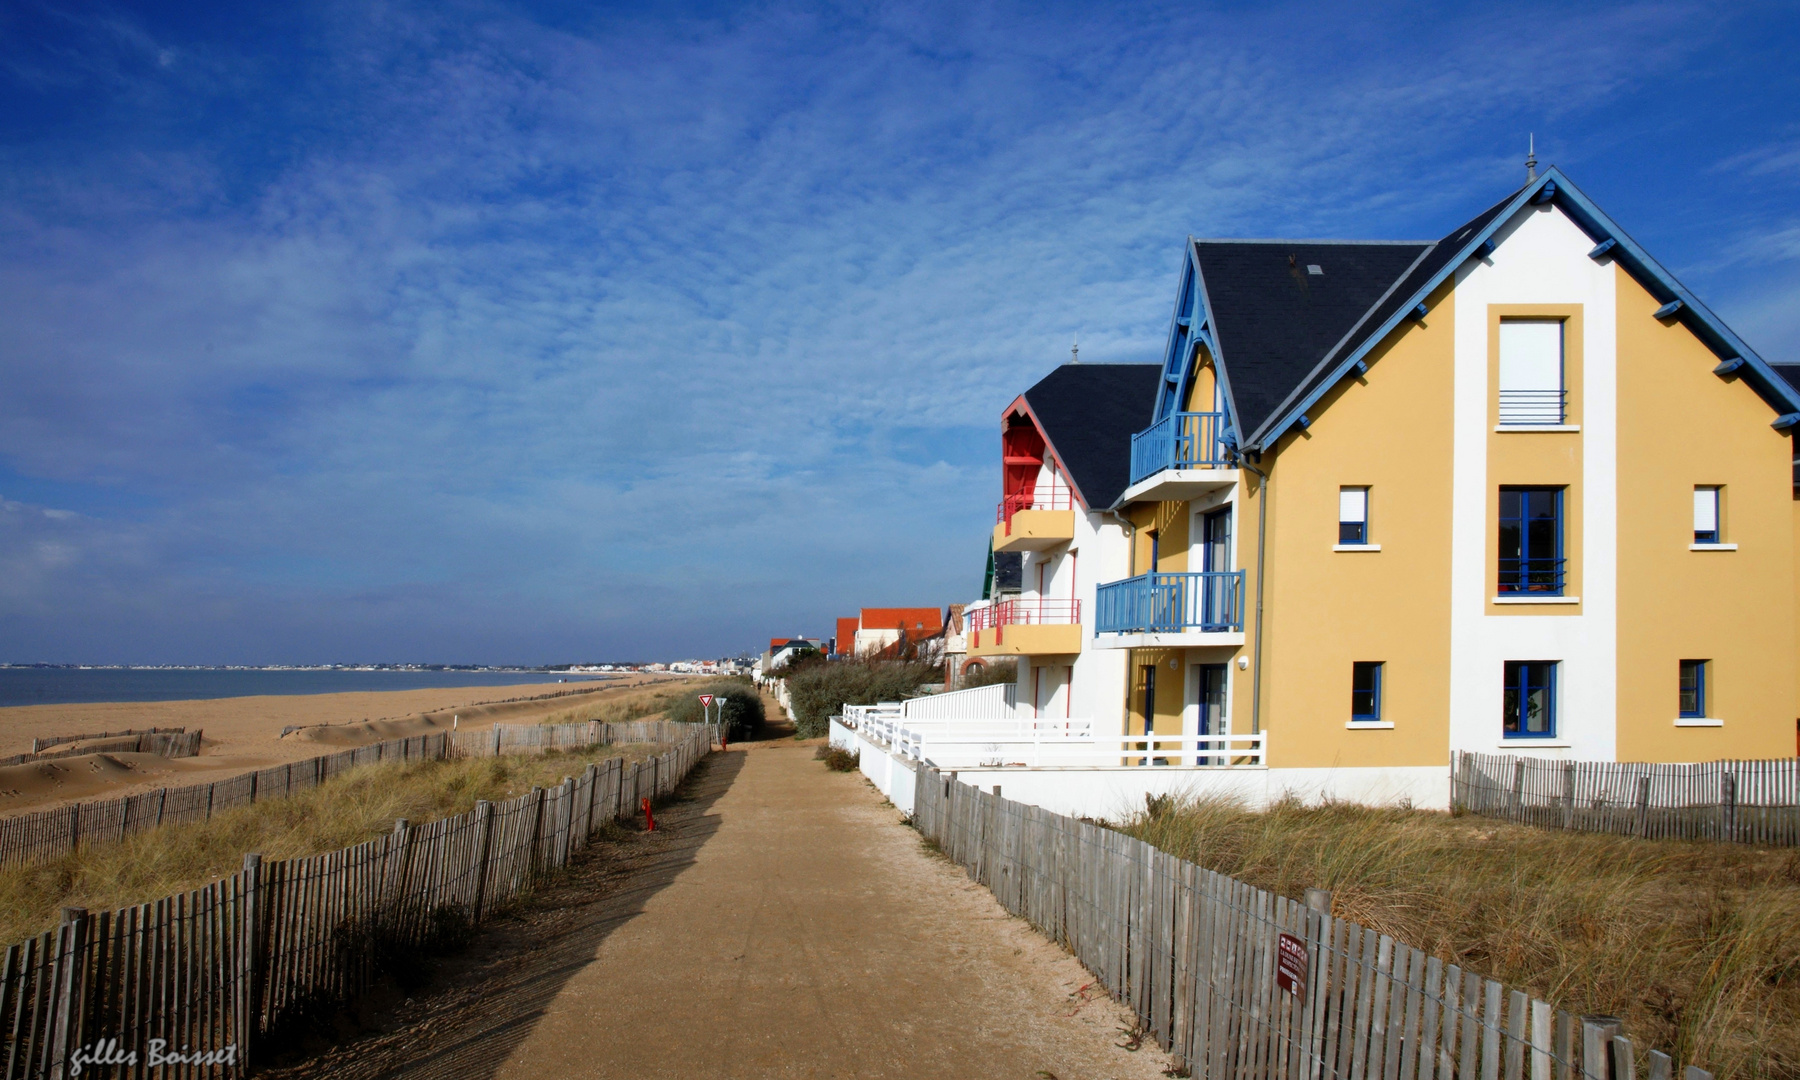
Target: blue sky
(488,332)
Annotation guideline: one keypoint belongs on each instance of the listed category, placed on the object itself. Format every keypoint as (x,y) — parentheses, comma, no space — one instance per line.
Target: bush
(819,693)
(838,759)
(741,710)
(989,673)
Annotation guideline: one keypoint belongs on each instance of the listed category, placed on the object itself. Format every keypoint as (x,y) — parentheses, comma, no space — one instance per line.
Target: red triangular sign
(706,700)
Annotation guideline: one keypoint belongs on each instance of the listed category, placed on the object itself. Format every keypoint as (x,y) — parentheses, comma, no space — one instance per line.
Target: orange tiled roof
(914,620)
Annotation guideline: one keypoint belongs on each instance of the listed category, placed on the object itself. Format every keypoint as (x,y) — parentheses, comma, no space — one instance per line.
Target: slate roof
(1790,373)
(1274,319)
(1088,413)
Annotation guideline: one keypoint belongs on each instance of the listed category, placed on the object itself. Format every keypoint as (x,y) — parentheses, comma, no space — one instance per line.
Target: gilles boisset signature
(109,1052)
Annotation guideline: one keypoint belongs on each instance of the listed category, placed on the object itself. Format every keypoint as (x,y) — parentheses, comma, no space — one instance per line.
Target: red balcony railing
(1049,499)
(1026,612)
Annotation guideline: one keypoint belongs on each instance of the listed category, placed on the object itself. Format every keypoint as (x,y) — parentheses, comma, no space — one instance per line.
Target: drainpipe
(1262,532)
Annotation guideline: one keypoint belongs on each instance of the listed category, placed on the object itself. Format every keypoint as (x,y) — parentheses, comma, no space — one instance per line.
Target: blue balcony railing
(1188,440)
(1208,602)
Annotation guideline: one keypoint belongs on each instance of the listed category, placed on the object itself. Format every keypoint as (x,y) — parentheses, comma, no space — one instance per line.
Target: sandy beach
(244,733)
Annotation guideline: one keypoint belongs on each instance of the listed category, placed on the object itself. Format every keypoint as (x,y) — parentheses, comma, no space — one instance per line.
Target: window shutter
(1531,371)
(1706,510)
(1353,504)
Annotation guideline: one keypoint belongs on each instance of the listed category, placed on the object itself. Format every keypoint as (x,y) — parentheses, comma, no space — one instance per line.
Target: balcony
(1026,627)
(1034,521)
(1157,610)
(1180,457)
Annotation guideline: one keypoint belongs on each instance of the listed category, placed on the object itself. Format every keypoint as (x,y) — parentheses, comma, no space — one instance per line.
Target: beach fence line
(168,742)
(45,742)
(48,834)
(1749,802)
(215,970)
(1238,983)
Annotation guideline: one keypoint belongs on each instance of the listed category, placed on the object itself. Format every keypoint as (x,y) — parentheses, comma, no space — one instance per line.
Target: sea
(79,686)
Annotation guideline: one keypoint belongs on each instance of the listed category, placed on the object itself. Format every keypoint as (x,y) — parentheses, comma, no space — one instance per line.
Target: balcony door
(1215,558)
(1205,714)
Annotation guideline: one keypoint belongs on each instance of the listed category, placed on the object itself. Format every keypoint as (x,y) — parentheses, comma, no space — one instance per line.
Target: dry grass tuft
(837,759)
(628,703)
(1696,946)
(344,811)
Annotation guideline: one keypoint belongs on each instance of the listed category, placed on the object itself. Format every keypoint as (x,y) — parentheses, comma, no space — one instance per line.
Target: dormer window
(1531,373)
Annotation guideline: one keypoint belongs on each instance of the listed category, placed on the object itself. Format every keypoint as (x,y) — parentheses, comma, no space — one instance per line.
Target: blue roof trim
(1203,302)
(1611,241)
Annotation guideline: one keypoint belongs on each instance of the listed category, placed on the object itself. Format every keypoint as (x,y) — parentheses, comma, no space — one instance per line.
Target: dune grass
(629,703)
(346,810)
(1696,946)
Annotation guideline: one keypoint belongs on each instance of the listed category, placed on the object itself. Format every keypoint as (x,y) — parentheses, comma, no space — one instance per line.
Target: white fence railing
(996,702)
(1074,744)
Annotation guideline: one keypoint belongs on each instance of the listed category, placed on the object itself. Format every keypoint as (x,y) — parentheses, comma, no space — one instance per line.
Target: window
(1531,548)
(1693,688)
(1706,516)
(1353,515)
(1531,372)
(1365,690)
(1529,700)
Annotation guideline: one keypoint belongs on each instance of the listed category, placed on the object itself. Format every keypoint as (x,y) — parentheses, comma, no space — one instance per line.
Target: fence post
(1568,795)
(537,830)
(74,826)
(1518,790)
(484,833)
(1643,806)
(568,820)
(248,1000)
(71,944)
(1728,804)
(1596,1046)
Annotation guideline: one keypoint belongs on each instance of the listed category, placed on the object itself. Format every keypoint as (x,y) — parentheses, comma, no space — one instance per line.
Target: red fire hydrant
(649,822)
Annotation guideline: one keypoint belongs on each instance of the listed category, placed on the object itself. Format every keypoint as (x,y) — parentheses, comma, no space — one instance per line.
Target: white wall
(1541,258)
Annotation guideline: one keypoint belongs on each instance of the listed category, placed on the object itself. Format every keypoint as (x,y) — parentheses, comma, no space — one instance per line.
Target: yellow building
(1513,490)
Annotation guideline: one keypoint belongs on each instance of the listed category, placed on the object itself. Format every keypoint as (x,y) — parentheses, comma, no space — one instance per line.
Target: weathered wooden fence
(47,834)
(45,742)
(168,742)
(1241,984)
(1751,802)
(208,973)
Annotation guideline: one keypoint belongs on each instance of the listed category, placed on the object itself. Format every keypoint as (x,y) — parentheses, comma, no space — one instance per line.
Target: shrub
(741,710)
(989,673)
(838,759)
(817,694)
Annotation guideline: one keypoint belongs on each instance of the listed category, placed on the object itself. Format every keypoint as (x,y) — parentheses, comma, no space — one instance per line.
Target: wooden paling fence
(1240,984)
(48,834)
(1751,802)
(167,743)
(45,742)
(210,972)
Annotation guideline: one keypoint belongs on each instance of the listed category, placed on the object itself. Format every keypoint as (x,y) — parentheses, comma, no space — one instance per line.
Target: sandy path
(781,922)
(243,734)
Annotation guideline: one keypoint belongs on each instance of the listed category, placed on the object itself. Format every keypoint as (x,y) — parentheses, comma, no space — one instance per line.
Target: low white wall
(1115,792)
(892,776)
(840,736)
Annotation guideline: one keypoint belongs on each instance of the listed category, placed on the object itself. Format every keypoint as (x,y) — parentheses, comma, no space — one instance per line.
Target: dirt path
(781,922)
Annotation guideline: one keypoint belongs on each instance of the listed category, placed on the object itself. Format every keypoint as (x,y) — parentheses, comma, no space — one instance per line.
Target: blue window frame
(1529,699)
(1531,540)
(1693,688)
(1365,690)
(1353,516)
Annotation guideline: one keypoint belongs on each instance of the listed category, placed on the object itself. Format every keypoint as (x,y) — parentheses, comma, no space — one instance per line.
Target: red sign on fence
(1290,965)
(706,700)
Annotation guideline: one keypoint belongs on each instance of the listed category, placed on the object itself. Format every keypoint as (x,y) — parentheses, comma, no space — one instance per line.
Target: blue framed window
(1529,699)
(1353,515)
(1365,690)
(1706,516)
(1693,688)
(1531,540)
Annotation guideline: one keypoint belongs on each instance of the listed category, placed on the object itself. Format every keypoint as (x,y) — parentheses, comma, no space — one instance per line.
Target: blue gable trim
(1553,187)
(1192,325)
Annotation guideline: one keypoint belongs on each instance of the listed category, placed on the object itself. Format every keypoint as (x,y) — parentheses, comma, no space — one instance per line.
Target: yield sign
(706,700)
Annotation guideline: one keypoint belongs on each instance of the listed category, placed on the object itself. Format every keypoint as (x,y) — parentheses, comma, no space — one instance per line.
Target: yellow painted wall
(1202,396)
(1170,521)
(1324,610)
(1171,690)
(1680,425)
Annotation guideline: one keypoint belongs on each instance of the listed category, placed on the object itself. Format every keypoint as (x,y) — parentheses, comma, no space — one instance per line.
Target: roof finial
(1531,159)
(1075,349)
